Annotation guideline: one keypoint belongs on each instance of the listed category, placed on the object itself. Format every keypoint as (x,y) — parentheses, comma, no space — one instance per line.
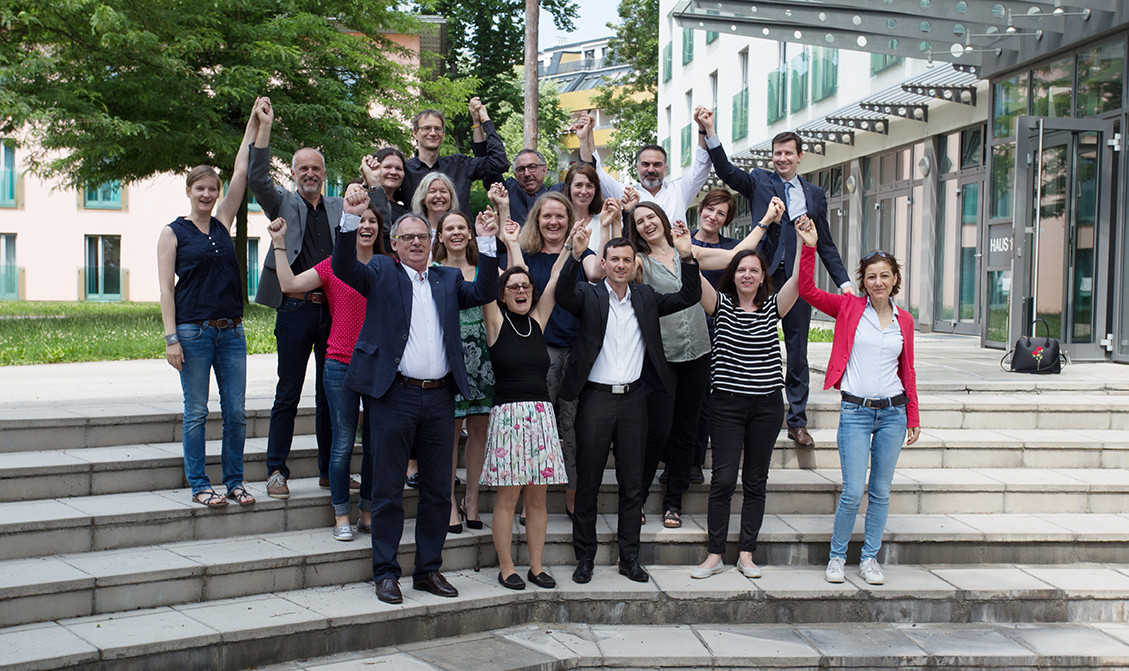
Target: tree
(632,102)
(552,120)
(487,39)
(116,90)
(532,18)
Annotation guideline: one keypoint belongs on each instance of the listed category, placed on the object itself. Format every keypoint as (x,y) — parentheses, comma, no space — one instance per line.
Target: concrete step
(1026,616)
(87,583)
(29,475)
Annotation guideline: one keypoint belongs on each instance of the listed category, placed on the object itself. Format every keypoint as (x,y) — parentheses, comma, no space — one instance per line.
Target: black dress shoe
(435,583)
(388,590)
(583,571)
(514,581)
(542,579)
(633,570)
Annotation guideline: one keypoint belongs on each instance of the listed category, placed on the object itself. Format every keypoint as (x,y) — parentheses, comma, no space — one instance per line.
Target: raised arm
(819,299)
(709,297)
(735,178)
(484,289)
(544,309)
(237,185)
(787,295)
(567,293)
(712,258)
(360,276)
(308,280)
(608,184)
(268,194)
(691,291)
(495,161)
(692,181)
(500,197)
(166,276)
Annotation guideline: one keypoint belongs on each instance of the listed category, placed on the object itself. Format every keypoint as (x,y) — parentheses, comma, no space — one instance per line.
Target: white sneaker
(343,532)
(871,572)
(701,572)
(835,570)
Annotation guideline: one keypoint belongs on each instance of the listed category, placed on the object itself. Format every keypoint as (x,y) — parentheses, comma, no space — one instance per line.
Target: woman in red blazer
(872,364)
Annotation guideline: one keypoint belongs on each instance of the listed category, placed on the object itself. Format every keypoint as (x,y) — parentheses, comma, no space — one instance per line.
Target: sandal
(672,520)
(240,495)
(211,499)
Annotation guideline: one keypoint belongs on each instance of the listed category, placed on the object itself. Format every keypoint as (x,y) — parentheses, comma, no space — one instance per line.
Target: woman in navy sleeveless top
(203,314)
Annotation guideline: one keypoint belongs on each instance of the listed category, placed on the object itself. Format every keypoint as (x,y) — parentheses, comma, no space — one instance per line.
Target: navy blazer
(278,202)
(589,302)
(383,282)
(779,241)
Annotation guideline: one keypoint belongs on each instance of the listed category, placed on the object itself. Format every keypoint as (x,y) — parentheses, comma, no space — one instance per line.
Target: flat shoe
(413,480)
(211,499)
(363,528)
(542,579)
(700,572)
(239,494)
(513,581)
(753,571)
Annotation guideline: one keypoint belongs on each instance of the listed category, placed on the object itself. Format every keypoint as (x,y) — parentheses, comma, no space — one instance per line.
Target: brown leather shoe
(800,436)
(276,486)
(435,583)
(388,590)
(354,484)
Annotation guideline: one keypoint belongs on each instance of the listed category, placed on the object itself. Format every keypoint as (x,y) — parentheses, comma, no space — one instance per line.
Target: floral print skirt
(522,446)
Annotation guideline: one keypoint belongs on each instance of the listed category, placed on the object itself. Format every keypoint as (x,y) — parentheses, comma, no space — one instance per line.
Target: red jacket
(847,311)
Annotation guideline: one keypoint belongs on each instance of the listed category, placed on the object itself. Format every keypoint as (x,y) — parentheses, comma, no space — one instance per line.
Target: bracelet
(568,246)
(171,339)
(762,225)
(476,126)
(688,259)
(701,132)
(279,249)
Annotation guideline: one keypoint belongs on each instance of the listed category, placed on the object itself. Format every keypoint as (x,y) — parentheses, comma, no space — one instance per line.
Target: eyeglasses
(431,129)
(879,253)
(411,237)
(528,168)
(526,286)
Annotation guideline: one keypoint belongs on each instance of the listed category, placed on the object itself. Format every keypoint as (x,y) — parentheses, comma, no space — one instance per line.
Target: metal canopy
(979,36)
(857,118)
(944,83)
(903,104)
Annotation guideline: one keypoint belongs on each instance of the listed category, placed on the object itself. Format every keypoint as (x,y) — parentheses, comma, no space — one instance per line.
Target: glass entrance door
(955,272)
(1063,205)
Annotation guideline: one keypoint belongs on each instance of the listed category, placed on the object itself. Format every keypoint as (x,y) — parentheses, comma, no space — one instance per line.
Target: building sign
(1000,245)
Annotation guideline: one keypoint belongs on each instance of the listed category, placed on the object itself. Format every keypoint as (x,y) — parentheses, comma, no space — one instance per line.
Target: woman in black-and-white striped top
(746,403)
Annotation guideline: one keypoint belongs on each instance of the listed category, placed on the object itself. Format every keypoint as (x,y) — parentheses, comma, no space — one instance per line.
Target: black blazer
(779,241)
(589,302)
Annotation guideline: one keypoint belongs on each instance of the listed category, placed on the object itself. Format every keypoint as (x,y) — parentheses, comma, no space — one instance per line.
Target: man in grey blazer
(302,320)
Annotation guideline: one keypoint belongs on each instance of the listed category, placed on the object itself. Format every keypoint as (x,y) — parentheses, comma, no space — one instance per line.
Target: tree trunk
(532,16)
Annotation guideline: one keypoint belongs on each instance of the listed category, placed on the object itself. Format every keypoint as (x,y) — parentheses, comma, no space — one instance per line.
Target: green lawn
(57,332)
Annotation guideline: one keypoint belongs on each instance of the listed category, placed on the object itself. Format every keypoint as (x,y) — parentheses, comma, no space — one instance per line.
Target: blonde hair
(530,236)
(202,172)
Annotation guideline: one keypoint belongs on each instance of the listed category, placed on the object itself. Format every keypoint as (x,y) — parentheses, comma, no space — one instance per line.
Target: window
(106,196)
(741,114)
(824,73)
(103,268)
(9,273)
(688,139)
(777,94)
(7,174)
(1099,79)
(589,54)
(687,45)
(668,61)
(252,204)
(253,267)
(883,62)
(799,86)
(334,187)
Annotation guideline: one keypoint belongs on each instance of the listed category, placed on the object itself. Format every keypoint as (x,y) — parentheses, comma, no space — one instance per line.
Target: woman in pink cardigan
(872,364)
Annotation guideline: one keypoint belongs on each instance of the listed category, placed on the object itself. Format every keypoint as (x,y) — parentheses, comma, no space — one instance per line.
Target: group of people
(560,324)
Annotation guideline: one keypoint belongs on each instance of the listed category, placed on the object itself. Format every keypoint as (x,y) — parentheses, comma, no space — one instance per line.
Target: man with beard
(527,184)
(673,196)
(302,321)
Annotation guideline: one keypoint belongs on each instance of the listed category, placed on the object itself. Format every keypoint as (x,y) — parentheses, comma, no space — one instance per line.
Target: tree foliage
(632,101)
(552,120)
(120,90)
(487,40)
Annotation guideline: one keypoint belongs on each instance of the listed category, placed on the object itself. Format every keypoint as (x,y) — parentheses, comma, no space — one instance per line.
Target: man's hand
(264,112)
(611,212)
(774,212)
(498,194)
(704,119)
(370,171)
(847,290)
(277,231)
(486,224)
(356,199)
(630,199)
(681,236)
(477,111)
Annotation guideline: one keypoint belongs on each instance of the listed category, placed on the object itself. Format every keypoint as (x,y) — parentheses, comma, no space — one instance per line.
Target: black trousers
(740,424)
(795,325)
(672,429)
(601,418)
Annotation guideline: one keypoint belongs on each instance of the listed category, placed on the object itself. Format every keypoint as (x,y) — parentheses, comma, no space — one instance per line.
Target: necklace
(529,323)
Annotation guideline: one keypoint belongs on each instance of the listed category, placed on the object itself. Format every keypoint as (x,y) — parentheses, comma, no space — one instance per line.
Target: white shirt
(425,357)
(872,368)
(621,357)
(675,195)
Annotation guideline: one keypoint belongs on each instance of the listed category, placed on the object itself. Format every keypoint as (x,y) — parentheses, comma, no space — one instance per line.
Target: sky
(594,14)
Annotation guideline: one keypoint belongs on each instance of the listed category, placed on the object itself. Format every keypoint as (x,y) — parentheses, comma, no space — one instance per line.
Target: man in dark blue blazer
(409,363)
(802,199)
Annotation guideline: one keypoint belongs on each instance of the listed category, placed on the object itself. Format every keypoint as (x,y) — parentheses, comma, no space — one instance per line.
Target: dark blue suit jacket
(779,242)
(383,282)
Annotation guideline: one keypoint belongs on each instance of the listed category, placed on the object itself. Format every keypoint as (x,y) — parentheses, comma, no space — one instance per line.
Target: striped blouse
(746,349)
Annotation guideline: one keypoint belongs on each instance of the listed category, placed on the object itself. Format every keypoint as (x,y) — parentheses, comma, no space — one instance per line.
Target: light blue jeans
(871,437)
(224,350)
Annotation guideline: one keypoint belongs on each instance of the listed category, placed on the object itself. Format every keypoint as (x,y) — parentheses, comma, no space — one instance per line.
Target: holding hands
(370,170)
(486,224)
(578,239)
(630,199)
(704,118)
(682,242)
(498,195)
(611,212)
(509,233)
(477,111)
(774,212)
(356,199)
(583,127)
(806,230)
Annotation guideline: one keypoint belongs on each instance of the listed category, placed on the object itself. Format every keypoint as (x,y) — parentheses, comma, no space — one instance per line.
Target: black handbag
(1034,354)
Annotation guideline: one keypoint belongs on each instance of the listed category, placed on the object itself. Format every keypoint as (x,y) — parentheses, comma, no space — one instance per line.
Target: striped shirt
(746,349)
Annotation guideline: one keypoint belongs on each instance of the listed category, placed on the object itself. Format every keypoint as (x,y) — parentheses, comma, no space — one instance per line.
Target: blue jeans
(299,327)
(224,350)
(871,436)
(343,405)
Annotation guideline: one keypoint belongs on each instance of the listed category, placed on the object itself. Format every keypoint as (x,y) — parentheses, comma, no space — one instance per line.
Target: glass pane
(687,148)
(944,271)
(93,267)
(887,169)
(7,174)
(969,218)
(999,293)
(912,260)
(869,224)
(902,244)
(777,94)
(824,73)
(904,166)
(971,148)
(799,86)
(1009,100)
(1051,242)
(867,173)
(1003,180)
(111,265)
(668,61)
(741,114)
(1051,87)
(1100,75)
(1085,228)
(836,182)
(687,45)
(948,157)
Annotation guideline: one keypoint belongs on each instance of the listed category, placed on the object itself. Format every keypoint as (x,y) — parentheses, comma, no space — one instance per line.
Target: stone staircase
(1006,524)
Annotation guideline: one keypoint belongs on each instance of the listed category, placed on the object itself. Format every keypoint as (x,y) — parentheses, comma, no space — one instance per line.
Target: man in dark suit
(302,322)
(803,200)
(619,335)
(408,364)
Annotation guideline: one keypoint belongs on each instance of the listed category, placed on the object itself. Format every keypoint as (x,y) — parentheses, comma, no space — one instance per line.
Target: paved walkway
(943,362)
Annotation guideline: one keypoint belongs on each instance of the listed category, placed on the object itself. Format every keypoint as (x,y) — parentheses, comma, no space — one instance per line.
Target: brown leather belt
(221,323)
(317,297)
(425,384)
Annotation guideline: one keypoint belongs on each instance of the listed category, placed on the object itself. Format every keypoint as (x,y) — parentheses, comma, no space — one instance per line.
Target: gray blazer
(278,202)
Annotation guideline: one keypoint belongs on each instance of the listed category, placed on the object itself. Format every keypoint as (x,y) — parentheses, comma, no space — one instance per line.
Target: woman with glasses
(872,364)
(455,247)
(523,450)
